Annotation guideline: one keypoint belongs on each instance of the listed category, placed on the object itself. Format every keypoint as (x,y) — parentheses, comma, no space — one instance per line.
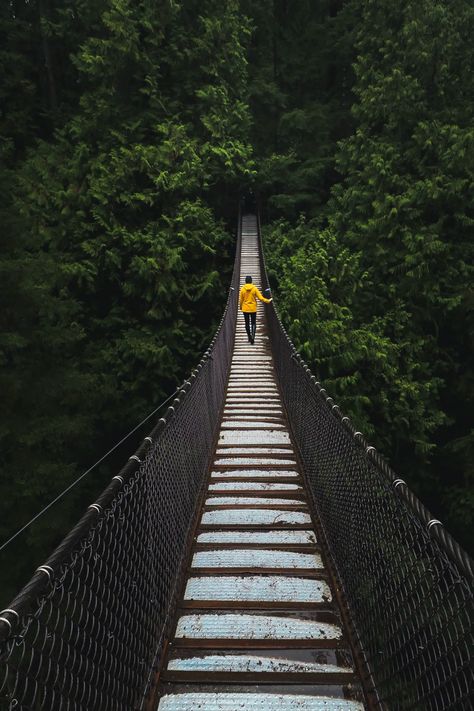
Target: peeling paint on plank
(256,473)
(250,663)
(261,558)
(254,517)
(265,588)
(263,537)
(247,626)
(228,701)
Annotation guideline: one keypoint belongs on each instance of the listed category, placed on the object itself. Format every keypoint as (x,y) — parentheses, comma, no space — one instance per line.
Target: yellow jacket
(248,298)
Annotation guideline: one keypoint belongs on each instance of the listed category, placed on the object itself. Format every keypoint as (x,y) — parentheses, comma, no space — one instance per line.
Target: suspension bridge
(255,553)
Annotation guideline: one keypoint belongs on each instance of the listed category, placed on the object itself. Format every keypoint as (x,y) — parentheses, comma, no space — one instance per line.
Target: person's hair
(248,279)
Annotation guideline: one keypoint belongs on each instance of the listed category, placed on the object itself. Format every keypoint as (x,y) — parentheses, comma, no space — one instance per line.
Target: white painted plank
(243,416)
(253,411)
(255,450)
(250,663)
(227,701)
(243,424)
(251,500)
(260,537)
(255,558)
(260,588)
(249,461)
(253,486)
(252,437)
(251,626)
(254,517)
(255,473)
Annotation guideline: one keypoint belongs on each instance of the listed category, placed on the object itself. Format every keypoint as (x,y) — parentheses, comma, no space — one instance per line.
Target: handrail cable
(74,483)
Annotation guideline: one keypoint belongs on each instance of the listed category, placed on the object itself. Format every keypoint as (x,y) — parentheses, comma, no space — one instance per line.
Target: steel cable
(88,471)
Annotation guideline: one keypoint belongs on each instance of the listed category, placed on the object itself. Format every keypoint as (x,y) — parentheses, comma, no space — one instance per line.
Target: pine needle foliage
(118,254)
(376,288)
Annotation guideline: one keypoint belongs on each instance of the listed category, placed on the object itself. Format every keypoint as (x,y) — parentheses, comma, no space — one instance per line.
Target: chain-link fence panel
(88,632)
(407,583)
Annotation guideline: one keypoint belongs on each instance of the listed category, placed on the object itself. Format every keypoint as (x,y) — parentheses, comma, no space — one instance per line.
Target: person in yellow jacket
(248,305)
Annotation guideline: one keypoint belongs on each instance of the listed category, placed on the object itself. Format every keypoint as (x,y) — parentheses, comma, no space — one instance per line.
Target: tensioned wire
(79,478)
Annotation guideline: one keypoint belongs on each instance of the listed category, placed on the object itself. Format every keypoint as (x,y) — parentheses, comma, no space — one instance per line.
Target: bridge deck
(258,627)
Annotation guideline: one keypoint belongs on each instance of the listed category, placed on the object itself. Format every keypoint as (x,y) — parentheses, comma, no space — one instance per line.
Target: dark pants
(250,325)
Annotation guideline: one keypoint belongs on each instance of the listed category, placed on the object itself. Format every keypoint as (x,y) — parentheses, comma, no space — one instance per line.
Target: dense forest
(369,186)
(128,130)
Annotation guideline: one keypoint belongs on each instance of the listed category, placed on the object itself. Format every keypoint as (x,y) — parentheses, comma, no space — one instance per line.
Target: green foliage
(127,130)
(300,77)
(376,289)
(375,377)
(118,257)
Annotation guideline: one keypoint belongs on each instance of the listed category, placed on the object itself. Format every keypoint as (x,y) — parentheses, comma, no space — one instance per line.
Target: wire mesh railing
(408,585)
(88,632)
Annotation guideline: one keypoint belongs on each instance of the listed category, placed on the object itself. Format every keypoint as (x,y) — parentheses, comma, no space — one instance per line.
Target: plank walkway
(258,627)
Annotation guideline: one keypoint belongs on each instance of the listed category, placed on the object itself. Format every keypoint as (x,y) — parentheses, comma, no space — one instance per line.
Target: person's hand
(271,299)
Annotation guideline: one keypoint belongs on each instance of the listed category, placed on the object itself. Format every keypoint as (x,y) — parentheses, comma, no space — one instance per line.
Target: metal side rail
(258,624)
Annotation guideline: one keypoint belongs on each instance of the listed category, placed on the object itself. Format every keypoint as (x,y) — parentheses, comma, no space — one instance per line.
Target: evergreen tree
(120,240)
(396,258)
(300,79)
(125,136)
(409,170)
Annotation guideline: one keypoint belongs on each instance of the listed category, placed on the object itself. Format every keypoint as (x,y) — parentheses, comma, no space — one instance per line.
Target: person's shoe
(252,341)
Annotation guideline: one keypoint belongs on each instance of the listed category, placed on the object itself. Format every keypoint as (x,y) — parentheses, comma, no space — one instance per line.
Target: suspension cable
(74,483)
